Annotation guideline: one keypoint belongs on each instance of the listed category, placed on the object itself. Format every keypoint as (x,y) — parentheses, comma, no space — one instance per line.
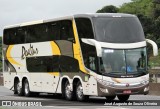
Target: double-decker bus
(78,56)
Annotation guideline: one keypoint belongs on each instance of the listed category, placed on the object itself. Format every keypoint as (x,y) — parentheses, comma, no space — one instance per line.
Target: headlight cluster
(144,82)
(105,83)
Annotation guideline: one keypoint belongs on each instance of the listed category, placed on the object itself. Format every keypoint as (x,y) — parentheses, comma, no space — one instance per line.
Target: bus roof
(88,15)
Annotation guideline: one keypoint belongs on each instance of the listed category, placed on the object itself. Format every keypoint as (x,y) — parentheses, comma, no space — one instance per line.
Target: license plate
(127,91)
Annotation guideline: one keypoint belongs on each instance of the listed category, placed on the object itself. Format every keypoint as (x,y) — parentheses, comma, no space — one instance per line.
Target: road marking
(112,107)
(60,107)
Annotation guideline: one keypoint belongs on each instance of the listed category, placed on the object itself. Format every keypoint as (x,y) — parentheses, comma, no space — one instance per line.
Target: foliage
(143,7)
(108,9)
(154,61)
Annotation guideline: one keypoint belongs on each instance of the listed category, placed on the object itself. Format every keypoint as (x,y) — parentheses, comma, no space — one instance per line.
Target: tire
(123,97)
(17,89)
(67,92)
(27,92)
(79,93)
(110,98)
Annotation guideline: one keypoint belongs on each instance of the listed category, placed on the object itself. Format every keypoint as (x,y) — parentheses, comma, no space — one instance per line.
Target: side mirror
(154,46)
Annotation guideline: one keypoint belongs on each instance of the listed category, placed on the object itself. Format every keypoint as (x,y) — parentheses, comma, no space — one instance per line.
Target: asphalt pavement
(49,101)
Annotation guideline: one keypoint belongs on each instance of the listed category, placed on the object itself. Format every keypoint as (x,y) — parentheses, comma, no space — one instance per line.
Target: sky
(19,11)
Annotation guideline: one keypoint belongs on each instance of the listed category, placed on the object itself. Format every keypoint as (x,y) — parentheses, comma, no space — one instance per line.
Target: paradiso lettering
(30,52)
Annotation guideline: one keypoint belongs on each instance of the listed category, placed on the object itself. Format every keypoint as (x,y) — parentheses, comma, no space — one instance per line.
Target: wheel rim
(68,91)
(26,88)
(18,87)
(80,91)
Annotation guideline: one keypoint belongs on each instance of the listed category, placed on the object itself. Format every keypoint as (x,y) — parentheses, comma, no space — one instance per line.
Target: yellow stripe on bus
(9,57)
(55,51)
(54,73)
(76,49)
(55,48)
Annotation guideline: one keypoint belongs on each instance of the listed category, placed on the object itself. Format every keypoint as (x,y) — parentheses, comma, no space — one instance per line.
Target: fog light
(146,89)
(104,90)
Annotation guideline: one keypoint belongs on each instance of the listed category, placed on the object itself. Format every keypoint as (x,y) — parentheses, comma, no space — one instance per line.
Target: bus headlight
(104,90)
(105,83)
(144,82)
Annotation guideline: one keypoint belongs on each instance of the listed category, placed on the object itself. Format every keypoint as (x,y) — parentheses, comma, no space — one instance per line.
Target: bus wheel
(110,98)
(68,92)
(123,97)
(27,92)
(79,93)
(18,88)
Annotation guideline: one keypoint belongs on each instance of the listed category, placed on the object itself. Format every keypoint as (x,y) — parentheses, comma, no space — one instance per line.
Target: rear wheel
(110,98)
(27,92)
(123,97)
(79,93)
(68,93)
(18,89)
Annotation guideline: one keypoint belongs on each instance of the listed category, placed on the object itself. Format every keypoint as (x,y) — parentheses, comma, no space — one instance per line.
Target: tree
(143,7)
(108,9)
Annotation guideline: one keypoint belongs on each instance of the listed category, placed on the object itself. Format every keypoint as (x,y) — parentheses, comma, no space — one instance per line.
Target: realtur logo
(30,52)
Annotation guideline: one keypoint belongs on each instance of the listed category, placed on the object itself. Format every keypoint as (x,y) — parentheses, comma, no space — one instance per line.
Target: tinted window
(37,33)
(89,56)
(52,64)
(43,64)
(68,64)
(14,36)
(66,31)
(84,28)
(118,30)
(54,30)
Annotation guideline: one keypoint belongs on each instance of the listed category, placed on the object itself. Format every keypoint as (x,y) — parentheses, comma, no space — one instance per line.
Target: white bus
(78,56)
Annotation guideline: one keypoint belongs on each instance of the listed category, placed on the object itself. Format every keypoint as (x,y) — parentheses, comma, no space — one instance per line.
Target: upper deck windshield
(118,29)
(122,62)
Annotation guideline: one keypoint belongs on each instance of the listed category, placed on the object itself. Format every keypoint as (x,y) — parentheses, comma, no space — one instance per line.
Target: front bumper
(119,90)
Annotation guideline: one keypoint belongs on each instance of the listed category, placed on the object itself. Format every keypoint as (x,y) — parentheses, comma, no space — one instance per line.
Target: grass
(154,61)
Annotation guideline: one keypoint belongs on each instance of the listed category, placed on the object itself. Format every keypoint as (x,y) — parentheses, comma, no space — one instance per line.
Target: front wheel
(110,98)
(79,93)
(123,97)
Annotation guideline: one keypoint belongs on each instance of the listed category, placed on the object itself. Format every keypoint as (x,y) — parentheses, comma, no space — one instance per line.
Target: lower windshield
(123,62)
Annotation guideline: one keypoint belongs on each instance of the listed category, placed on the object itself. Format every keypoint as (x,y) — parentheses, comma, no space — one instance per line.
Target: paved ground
(56,102)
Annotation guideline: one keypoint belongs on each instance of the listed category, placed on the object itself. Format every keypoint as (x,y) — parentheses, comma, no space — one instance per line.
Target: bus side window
(54,30)
(9,36)
(20,35)
(16,33)
(6,37)
(68,64)
(66,30)
(37,33)
(84,28)
(43,64)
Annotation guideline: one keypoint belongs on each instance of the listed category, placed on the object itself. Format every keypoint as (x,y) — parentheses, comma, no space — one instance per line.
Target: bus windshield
(118,29)
(122,62)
